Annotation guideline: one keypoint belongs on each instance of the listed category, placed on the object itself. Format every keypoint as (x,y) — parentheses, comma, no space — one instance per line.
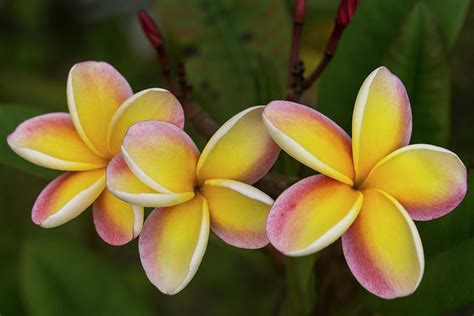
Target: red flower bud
(150,29)
(299,12)
(345,12)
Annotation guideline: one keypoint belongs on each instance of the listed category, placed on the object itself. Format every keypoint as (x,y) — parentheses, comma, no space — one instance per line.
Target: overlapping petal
(150,104)
(240,150)
(173,242)
(383,248)
(311,138)
(67,196)
(162,156)
(381,122)
(116,221)
(51,141)
(312,214)
(428,181)
(126,186)
(238,212)
(95,90)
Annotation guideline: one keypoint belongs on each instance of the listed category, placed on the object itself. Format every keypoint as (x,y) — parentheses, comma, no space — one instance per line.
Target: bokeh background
(236,52)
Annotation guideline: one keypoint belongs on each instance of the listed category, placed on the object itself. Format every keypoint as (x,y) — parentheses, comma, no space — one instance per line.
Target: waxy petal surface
(126,186)
(162,156)
(429,181)
(173,242)
(311,215)
(67,196)
(238,212)
(116,221)
(51,141)
(240,150)
(311,138)
(150,104)
(383,248)
(95,90)
(381,122)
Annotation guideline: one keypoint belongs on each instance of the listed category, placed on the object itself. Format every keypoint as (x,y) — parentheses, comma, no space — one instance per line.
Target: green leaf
(448,283)
(225,43)
(60,279)
(10,117)
(300,285)
(452,15)
(419,58)
(366,45)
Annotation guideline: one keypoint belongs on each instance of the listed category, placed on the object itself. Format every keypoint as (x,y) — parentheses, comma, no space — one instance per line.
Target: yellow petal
(240,150)
(150,104)
(428,181)
(162,156)
(95,90)
(67,196)
(116,222)
(126,186)
(173,242)
(311,138)
(238,212)
(51,141)
(381,122)
(312,214)
(383,248)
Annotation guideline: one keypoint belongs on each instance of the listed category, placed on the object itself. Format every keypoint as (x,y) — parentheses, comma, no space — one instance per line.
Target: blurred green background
(236,53)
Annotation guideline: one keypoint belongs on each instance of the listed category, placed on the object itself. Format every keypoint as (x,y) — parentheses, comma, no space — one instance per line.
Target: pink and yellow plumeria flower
(368,190)
(102,108)
(160,166)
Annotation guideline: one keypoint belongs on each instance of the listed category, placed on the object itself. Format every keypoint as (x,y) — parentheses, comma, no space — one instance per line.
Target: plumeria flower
(160,166)
(369,191)
(101,109)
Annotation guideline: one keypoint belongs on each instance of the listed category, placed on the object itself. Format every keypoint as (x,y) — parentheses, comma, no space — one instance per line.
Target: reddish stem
(155,38)
(344,15)
(294,72)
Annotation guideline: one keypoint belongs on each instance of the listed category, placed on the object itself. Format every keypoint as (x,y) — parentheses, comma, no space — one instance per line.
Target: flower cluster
(123,152)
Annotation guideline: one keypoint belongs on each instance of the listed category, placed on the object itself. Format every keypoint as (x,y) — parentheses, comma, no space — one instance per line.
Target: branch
(345,12)
(155,38)
(199,119)
(296,67)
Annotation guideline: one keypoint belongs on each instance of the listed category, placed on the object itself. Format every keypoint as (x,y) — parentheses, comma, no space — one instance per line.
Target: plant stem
(295,67)
(155,38)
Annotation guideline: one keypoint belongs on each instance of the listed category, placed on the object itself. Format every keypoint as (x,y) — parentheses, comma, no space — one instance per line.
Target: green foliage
(394,31)
(301,285)
(233,49)
(419,58)
(10,117)
(58,278)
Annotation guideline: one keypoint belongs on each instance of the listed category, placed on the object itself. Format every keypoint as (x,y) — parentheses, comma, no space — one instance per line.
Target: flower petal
(311,138)
(126,186)
(381,122)
(173,242)
(238,212)
(95,90)
(51,141)
(116,222)
(150,104)
(240,150)
(429,181)
(383,248)
(162,156)
(67,196)
(312,214)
